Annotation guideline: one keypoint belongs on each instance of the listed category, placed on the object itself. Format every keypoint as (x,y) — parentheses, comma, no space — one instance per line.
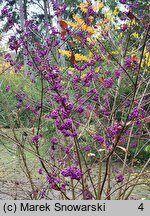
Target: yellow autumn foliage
(79,23)
(135,34)
(78,57)
(116,11)
(147,57)
(5,67)
(96,6)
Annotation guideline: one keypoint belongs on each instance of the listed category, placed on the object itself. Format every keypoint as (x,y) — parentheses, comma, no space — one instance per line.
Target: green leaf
(147,148)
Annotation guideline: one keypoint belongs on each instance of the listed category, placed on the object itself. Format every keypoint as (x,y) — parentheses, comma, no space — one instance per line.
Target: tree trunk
(22,14)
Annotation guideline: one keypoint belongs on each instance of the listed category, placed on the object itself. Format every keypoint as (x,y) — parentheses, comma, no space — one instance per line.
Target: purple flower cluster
(58,8)
(20,96)
(123,27)
(30,26)
(87,195)
(133,145)
(72,172)
(14,44)
(55,183)
(54,141)
(123,1)
(85,65)
(137,114)
(90,11)
(52,180)
(98,138)
(40,171)
(94,94)
(7,88)
(128,62)
(118,72)
(54,114)
(80,109)
(108,82)
(114,129)
(148,47)
(88,78)
(5,13)
(119,178)
(9,59)
(35,138)
(67,124)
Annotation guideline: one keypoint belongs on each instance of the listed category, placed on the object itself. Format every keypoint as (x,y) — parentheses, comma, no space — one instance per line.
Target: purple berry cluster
(72,172)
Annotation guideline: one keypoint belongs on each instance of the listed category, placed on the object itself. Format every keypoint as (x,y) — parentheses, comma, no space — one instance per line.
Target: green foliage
(147,149)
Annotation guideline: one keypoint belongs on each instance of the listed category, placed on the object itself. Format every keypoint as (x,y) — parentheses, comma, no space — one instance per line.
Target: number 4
(141,207)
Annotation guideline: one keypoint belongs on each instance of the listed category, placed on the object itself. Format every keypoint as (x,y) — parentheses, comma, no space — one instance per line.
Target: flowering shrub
(96,97)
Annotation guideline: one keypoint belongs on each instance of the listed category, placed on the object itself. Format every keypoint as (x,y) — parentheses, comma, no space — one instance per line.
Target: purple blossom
(7,88)
(54,114)
(87,21)
(80,109)
(86,148)
(91,63)
(148,47)
(35,139)
(30,63)
(30,25)
(34,110)
(72,172)
(14,44)
(66,133)
(94,94)
(42,194)
(19,104)
(122,1)
(52,180)
(73,134)
(133,145)
(137,113)
(59,8)
(20,95)
(128,62)
(89,76)
(80,68)
(119,178)
(114,129)
(64,113)
(87,195)
(40,171)
(98,138)
(54,141)
(63,187)
(67,124)
(118,72)
(69,105)
(108,82)
(4,11)
(10,22)
(7,56)
(18,67)
(27,106)
(90,11)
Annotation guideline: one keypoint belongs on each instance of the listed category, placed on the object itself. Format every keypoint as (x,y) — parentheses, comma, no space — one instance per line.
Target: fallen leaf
(63,33)
(124,149)
(72,58)
(109,56)
(101,80)
(130,15)
(63,24)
